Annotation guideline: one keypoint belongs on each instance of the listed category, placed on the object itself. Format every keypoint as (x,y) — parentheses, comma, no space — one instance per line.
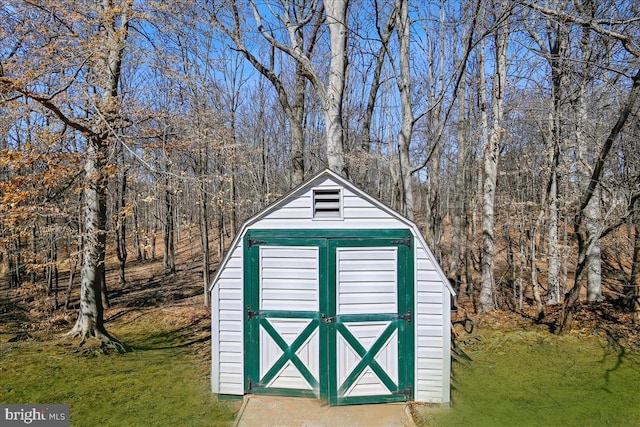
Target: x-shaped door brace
(289,352)
(367,357)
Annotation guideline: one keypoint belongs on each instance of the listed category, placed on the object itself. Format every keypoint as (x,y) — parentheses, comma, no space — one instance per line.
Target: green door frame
(329,323)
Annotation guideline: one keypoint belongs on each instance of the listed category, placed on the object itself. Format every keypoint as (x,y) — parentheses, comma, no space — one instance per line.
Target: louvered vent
(326,203)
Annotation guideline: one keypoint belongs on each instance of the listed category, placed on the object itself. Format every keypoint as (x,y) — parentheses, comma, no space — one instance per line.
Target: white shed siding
(431,294)
(357,213)
(431,322)
(366,280)
(289,278)
(227,370)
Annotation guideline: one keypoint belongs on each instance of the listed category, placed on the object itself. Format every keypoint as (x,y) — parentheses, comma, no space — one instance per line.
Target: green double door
(328,314)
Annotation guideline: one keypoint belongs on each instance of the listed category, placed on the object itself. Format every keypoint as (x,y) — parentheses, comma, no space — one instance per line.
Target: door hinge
(252,242)
(406,392)
(252,313)
(404,242)
(408,317)
(325,319)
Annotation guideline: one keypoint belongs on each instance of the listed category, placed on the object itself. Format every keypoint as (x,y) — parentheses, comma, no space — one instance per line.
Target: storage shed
(328,293)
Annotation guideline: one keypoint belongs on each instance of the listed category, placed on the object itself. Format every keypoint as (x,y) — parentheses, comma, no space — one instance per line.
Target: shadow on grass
(146,330)
(159,290)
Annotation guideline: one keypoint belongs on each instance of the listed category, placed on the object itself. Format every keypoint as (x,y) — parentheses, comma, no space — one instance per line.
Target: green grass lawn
(520,378)
(533,378)
(164,382)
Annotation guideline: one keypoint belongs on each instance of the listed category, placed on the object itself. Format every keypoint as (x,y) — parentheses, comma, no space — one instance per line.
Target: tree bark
(458,222)
(491,156)
(204,242)
(406,127)
(121,224)
(297,131)
(591,210)
(554,295)
(168,232)
(593,260)
(434,208)
(336,12)
(635,269)
(90,321)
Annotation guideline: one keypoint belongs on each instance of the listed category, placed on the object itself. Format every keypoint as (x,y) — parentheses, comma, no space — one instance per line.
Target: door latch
(406,317)
(325,319)
(252,313)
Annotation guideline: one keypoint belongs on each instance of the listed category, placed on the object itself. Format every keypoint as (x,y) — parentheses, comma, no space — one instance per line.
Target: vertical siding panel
(431,326)
(215,340)
(446,349)
(227,374)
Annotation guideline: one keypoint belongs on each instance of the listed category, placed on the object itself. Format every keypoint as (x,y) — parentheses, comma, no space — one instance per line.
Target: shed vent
(327,203)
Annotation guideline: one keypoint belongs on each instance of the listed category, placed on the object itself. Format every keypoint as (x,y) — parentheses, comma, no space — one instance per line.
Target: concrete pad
(278,411)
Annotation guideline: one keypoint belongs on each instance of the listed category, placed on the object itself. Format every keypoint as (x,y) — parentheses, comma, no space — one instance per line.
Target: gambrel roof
(323,178)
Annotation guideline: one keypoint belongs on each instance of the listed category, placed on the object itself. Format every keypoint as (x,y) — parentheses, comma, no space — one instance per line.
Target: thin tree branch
(594,24)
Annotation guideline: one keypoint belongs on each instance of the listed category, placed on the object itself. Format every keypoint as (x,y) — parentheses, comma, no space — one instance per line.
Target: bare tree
(91,49)
(293,18)
(635,268)
(363,149)
(291,101)
(553,49)
(403,26)
(586,231)
(495,137)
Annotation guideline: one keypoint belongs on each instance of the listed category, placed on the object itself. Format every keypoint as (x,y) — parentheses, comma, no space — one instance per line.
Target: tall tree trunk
(635,269)
(487,264)
(491,156)
(406,128)
(114,23)
(168,235)
(121,223)
(554,295)
(593,261)
(90,321)
(297,131)
(459,204)
(585,240)
(336,13)
(136,232)
(203,219)
(557,48)
(591,211)
(553,48)
(434,210)
(204,242)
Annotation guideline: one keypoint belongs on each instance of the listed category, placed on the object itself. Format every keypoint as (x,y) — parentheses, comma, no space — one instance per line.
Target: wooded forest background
(508,130)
